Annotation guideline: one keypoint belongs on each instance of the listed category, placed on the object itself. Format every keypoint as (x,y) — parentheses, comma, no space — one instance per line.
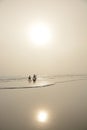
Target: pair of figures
(32,78)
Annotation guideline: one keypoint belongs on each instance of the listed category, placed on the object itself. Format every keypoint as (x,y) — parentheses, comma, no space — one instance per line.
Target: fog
(65,53)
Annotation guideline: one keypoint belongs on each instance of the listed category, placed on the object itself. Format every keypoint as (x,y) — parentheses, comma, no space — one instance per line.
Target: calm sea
(19,82)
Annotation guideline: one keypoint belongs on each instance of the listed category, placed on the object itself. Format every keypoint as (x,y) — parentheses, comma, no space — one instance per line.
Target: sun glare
(40,34)
(42,116)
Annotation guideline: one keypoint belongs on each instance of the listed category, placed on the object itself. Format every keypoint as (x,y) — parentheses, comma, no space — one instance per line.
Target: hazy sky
(67,49)
(65,53)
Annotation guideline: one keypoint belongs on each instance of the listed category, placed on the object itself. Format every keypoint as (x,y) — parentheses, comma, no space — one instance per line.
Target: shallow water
(42,81)
(65,101)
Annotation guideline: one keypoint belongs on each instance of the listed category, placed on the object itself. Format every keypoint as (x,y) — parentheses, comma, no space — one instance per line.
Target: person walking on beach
(29,78)
(34,78)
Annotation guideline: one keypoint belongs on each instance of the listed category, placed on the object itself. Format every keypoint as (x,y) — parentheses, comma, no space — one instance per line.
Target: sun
(42,116)
(40,34)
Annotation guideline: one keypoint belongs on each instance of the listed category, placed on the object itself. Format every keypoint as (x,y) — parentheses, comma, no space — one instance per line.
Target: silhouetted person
(34,78)
(29,78)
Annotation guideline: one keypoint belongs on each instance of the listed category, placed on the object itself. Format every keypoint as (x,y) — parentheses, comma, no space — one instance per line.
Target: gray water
(64,97)
(19,82)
